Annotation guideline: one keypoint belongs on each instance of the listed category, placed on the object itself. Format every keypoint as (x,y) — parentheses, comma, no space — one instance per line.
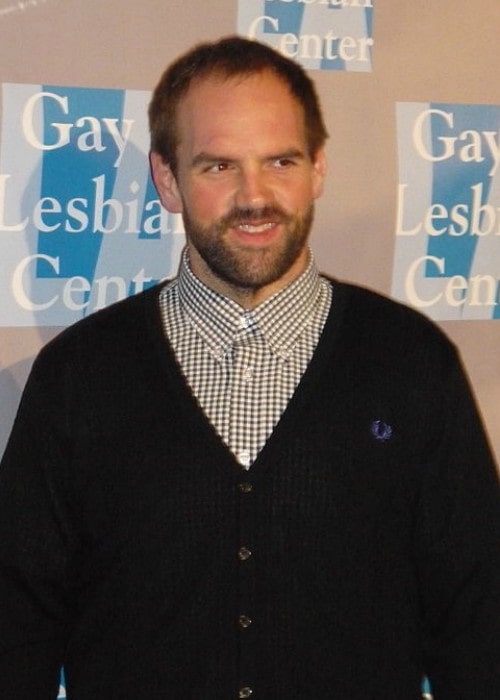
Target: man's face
(245,184)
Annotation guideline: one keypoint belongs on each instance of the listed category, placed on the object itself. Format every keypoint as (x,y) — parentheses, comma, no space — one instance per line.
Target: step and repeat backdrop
(411,206)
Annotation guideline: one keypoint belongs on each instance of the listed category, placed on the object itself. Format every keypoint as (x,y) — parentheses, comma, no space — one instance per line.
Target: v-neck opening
(194,417)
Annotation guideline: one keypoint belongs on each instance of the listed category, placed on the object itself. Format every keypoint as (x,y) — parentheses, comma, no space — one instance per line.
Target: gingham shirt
(244,365)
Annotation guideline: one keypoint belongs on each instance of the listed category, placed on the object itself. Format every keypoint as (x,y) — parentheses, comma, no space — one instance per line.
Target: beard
(250,268)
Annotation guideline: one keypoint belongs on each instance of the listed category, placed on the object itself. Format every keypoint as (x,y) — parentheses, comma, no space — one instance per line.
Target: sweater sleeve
(35,545)
(458,547)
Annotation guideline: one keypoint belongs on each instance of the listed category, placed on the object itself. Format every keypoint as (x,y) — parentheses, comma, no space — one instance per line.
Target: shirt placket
(243,427)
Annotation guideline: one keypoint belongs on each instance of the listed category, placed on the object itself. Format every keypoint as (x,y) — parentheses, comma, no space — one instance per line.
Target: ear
(165,183)
(319,172)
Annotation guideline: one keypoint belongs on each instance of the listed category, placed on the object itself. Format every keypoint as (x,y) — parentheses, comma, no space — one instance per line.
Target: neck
(246,295)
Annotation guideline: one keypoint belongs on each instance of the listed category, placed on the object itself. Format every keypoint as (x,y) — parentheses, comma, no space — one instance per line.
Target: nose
(253,188)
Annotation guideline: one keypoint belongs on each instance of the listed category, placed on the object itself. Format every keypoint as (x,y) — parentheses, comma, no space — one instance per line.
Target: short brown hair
(228,57)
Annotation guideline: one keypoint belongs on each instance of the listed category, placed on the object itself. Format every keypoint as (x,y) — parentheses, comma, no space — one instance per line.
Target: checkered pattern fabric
(244,365)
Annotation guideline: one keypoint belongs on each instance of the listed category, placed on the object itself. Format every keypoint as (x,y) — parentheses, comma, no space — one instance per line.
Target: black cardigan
(360,552)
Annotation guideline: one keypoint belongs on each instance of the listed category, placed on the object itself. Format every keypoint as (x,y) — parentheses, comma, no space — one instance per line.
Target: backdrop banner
(80,222)
(319,34)
(447,255)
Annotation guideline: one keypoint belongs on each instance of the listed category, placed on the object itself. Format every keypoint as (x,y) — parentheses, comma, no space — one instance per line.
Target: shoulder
(119,327)
(385,329)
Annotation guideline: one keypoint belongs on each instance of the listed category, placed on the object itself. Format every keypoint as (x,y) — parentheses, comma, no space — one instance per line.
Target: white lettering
(92,129)
(46,206)
(140,280)
(76,285)
(97,215)
(477,218)
(78,215)
(478,290)
(410,286)
(63,130)
(400,231)
(75,293)
(487,282)
(112,206)
(120,138)
(21,225)
(103,284)
(483,215)
(90,140)
(253,29)
(459,284)
(419,130)
(469,146)
(314,46)
(18,289)
(493,140)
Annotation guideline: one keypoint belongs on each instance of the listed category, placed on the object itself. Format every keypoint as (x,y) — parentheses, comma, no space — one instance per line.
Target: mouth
(256,234)
(254,228)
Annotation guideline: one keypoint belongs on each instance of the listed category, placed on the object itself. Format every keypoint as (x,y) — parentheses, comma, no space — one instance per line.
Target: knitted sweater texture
(360,552)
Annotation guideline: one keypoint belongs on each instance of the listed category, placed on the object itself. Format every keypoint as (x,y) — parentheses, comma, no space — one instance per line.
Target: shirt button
(244,553)
(247,374)
(245,320)
(244,621)
(245,487)
(245,692)
(244,458)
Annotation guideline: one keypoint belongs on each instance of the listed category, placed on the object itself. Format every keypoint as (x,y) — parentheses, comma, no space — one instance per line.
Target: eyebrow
(205,157)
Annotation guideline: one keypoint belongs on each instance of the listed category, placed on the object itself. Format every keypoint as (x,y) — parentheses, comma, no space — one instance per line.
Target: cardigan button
(245,692)
(244,553)
(245,487)
(244,621)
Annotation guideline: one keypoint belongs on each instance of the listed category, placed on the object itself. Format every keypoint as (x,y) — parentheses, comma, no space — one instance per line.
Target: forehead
(218,111)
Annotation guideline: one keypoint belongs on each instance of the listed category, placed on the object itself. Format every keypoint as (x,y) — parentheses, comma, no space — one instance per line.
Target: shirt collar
(281,319)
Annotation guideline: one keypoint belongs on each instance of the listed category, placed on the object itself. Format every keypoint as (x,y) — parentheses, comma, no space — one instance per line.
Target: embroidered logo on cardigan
(381,431)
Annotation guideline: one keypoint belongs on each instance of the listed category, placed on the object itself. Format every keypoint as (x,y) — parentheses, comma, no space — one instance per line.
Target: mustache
(249,215)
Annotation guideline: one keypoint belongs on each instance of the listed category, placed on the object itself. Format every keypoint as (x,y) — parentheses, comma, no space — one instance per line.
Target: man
(250,481)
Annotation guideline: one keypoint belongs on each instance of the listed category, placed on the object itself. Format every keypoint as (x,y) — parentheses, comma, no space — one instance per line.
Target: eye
(284,162)
(218,167)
